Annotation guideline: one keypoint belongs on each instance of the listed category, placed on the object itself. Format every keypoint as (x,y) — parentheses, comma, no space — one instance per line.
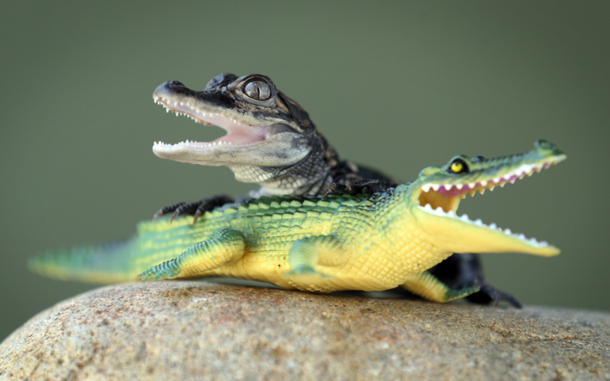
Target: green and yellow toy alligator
(347,242)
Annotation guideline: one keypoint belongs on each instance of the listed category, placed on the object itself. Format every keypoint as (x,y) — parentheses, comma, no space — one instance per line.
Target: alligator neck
(311,175)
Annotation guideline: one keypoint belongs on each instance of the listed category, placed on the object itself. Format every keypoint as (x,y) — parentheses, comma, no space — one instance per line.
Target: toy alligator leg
(463,270)
(428,286)
(308,254)
(225,246)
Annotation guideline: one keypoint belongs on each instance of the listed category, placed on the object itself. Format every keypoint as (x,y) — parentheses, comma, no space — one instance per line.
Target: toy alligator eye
(458,166)
(257,90)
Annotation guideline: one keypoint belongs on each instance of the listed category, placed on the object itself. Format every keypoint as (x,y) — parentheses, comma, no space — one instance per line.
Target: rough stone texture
(200,330)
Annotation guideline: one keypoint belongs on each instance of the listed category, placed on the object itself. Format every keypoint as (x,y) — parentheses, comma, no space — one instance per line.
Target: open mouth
(443,199)
(238,134)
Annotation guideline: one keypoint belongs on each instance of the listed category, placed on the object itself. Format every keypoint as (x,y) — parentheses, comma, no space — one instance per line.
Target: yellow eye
(457,167)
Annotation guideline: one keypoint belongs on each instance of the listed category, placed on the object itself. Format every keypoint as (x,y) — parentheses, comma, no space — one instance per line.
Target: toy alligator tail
(108,263)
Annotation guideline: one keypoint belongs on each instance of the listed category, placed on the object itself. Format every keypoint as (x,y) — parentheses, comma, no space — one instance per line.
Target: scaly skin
(362,242)
(272,141)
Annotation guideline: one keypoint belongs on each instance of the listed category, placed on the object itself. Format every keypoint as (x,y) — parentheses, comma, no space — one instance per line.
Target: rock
(198,330)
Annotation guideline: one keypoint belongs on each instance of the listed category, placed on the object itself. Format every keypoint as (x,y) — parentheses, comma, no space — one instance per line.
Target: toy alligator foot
(428,286)
(225,246)
(197,208)
(464,270)
(350,187)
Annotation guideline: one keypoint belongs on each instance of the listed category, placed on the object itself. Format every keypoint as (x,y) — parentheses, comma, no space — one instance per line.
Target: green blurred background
(396,85)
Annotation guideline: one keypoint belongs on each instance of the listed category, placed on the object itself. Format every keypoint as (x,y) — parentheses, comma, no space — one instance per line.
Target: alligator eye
(458,166)
(257,90)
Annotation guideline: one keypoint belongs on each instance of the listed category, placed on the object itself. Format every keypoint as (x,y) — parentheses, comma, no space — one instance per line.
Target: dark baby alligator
(272,141)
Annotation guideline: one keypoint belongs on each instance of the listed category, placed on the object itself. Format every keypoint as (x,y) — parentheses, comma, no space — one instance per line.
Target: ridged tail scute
(102,264)
(154,243)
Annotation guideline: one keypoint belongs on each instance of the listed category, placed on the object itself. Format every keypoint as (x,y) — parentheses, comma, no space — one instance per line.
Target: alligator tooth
(435,187)
(491,189)
(464,217)
(507,231)
(478,222)
(493,226)
(522,236)
(513,180)
(451,213)
(459,186)
(472,192)
(544,243)
(439,210)
(472,185)
(428,208)
(482,190)
(483,183)
(448,187)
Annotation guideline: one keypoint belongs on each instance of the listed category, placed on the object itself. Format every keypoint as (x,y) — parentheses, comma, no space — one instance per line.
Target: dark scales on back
(272,141)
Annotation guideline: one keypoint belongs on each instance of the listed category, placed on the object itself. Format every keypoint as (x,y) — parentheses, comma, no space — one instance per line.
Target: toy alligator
(272,141)
(342,242)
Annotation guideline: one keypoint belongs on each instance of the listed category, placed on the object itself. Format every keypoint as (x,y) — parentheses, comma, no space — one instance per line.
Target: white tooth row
(164,102)
(440,212)
(523,170)
(198,144)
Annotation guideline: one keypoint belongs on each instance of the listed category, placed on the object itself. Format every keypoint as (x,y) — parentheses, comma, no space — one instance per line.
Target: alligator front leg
(197,208)
(225,246)
(429,287)
(354,186)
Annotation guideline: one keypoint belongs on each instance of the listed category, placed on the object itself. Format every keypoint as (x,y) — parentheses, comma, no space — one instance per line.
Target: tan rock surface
(201,330)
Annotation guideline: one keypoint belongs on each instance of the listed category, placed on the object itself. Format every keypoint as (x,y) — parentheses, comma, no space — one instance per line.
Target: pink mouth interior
(237,133)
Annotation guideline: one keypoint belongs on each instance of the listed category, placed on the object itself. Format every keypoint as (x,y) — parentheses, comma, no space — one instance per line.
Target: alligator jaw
(249,141)
(437,203)
(238,133)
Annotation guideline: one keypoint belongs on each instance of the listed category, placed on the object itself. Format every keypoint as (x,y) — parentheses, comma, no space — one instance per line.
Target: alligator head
(434,197)
(267,132)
